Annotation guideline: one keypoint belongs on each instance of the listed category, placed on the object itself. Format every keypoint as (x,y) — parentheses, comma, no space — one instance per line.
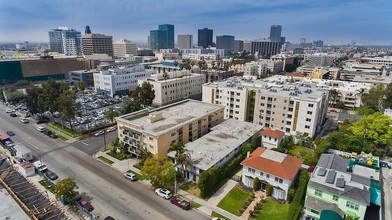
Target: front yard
(273,211)
(235,200)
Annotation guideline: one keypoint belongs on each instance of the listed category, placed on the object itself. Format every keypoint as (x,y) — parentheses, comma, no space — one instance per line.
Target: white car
(130,176)
(39,128)
(24,120)
(164,193)
(99,133)
(10,111)
(111,129)
(41,167)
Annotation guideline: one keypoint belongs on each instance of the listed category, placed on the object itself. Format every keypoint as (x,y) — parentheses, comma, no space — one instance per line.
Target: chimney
(247,154)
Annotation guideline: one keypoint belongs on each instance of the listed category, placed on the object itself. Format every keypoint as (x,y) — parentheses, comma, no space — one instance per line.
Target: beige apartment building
(97,43)
(178,85)
(290,107)
(123,47)
(155,130)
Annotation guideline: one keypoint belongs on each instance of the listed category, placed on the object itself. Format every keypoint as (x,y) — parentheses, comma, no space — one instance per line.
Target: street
(110,193)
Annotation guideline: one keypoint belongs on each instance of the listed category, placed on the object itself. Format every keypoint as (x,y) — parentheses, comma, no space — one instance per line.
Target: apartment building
(250,69)
(177,86)
(97,43)
(352,69)
(320,59)
(155,130)
(259,68)
(123,47)
(386,60)
(119,79)
(290,107)
(341,187)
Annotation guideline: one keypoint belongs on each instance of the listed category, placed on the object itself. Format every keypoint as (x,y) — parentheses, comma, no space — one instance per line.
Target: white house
(271,168)
(271,138)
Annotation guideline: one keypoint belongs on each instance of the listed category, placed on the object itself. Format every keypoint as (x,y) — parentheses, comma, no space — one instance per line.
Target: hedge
(298,200)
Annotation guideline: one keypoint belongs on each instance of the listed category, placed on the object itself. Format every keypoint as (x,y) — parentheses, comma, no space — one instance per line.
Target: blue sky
(334,21)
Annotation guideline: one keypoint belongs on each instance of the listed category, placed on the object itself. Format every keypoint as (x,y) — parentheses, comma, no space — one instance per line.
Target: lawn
(234,200)
(191,188)
(62,138)
(309,156)
(46,185)
(64,130)
(106,160)
(273,211)
(194,204)
(215,214)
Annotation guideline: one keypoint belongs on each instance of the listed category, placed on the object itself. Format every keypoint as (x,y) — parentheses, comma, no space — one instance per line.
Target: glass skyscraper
(275,32)
(169,29)
(204,37)
(163,38)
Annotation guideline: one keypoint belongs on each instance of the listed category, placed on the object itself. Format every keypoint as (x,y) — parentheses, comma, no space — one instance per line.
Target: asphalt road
(108,191)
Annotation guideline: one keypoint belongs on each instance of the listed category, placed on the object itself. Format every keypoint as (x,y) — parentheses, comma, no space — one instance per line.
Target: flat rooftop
(9,209)
(223,139)
(173,116)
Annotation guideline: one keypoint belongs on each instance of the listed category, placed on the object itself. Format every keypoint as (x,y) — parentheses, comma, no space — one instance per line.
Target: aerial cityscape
(196,110)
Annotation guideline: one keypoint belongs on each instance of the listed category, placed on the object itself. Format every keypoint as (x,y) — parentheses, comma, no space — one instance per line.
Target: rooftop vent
(322,171)
(340,182)
(155,116)
(331,177)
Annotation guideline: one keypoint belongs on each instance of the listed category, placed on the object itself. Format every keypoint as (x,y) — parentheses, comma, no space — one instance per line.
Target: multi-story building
(238,45)
(169,31)
(320,59)
(386,60)
(123,47)
(155,130)
(265,47)
(158,39)
(267,66)
(248,46)
(119,79)
(185,41)
(218,147)
(176,86)
(204,37)
(373,79)
(220,52)
(225,42)
(65,41)
(341,187)
(352,69)
(318,43)
(196,56)
(290,107)
(275,32)
(250,69)
(285,58)
(86,76)
(272,168)
(97,43)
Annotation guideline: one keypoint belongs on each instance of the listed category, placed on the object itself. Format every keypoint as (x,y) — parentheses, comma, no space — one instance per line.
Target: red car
(180,203)
(86,205)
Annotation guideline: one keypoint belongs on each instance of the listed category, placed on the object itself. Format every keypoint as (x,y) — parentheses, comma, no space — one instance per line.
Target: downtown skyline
(333,21)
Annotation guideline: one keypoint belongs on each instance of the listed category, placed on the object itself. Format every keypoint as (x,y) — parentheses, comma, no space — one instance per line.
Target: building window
(261,173)
(318,193)
(335,198)
(309,112)
(310,105)
(173,134)
(314,211)
(308,119)
(307,126)
(291,102)
(267,176)
(352,205)
(150,138)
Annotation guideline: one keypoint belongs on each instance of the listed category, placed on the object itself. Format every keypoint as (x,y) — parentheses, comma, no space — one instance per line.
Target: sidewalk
(207,207)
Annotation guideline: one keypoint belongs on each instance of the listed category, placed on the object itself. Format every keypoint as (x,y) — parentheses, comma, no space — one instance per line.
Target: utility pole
(175,176)
(104,138)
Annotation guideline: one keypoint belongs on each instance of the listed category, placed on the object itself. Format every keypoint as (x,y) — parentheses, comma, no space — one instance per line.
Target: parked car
(39,128)
(42,120)
(41,167)
(109,218)
(19,160)
(216,218)
(164,193)
(13,115)
(99,133)
(10,111)
(385,165)
(182,203)
(130,176)
(51,175)
(10,133)
(86,205)
(111,129)
(24,120)
(309,218)
(50,133)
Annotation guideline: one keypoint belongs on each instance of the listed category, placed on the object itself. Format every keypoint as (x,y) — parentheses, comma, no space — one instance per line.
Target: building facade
(225,42)
(238,45)
(204,37)
(97,43)
(157,129)
(169,32)
(275,32)
(118,80)
(271,138)
(265,47)
(177,86)
(86,76)
(65,41)
(185,41)
(158,39)
(123,47)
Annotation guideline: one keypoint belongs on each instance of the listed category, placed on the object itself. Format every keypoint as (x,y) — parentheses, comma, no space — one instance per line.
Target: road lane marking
(125,192)
(83,143)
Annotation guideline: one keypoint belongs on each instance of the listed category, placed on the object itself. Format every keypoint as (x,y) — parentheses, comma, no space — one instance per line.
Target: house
(343,188)
(271,138)
(218,147)
(272,168)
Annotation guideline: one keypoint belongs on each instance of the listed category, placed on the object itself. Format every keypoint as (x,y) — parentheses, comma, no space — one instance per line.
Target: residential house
(271,138)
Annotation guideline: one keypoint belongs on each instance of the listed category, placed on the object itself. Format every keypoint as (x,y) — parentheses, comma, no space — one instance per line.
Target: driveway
(222,192)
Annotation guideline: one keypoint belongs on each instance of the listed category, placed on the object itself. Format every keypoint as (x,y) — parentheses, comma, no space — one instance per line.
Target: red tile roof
(287,169)
(272,133)
(295,74)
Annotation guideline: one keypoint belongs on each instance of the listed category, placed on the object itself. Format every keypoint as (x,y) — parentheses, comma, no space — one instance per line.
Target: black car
(13,115)
(10,133)
(42,120)
(51,175)
(109,218)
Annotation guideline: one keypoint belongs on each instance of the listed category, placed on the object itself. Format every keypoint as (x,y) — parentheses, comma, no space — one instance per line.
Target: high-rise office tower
(97,43)
(204,37)
(225,42)
(87,30)
(185,41)
(123,47)
(265,47)
(158,39)
(318,43)
(238,46)
(275,32)
(64,40)
(169,29)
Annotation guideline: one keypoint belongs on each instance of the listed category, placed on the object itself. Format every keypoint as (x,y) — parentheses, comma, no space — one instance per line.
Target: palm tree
(82,86)
(361,93)
(182,155)
(335,95)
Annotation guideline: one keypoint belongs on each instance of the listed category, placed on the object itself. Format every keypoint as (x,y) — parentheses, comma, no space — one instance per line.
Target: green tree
(50,95)
(187,64)
(375,98)
(365,110)
(269,190)
(22,83)
(32,100)
(182,155)
(14,96)
(304,140)
(130,106)
(256,184)
(286,144)
(143,154)
(66,188)
(111,114)
(82,87)
(159,170)
(334,95)
(145,94)
(67,106)
(388,96)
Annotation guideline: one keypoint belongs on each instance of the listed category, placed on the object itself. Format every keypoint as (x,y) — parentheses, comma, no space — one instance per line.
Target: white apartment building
(177,86)
(270,66)
(221,52)
(114,80)
(251,68)
(290,107)
(387,60)
(352,69)
(320,59)
(123,47)
(197,56)
(285,58)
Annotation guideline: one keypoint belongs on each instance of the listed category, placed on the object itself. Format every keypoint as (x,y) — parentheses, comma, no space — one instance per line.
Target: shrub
(256,184)
(269,190)
(298,199)
(290,195)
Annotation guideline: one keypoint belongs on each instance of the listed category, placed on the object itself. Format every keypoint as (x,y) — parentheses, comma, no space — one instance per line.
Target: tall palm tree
(82,87)
(335,95)
(361,93)
(182,155)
